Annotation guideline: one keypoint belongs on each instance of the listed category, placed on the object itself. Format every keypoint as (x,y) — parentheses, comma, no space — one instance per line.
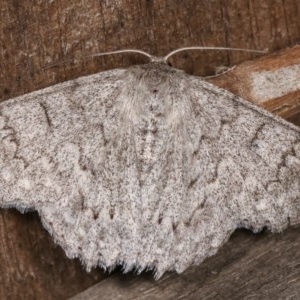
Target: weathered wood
(46,42)
(261,266)
(35,35)
(272,82)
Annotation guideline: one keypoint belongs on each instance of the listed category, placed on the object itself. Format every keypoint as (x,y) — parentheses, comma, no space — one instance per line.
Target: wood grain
(261,266)
(239,80)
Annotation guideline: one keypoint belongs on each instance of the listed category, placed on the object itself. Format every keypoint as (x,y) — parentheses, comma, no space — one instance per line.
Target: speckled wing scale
(147,167)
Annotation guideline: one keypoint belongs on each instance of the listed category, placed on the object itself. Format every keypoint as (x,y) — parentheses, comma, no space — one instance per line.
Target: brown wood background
(49,41)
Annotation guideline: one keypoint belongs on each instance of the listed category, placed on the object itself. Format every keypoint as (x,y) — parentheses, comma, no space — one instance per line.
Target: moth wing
(53,148)
(245,170)
(125,168)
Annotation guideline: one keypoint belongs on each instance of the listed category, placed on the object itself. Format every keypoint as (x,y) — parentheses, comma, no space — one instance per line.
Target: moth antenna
(123,51)
(105,53)
(211,48)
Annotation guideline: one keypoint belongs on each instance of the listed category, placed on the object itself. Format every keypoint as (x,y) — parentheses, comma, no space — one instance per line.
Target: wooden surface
(46,42)
(261,266)
(281,92)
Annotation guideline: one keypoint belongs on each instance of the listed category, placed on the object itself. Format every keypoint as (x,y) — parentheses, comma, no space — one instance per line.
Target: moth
(147,167)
